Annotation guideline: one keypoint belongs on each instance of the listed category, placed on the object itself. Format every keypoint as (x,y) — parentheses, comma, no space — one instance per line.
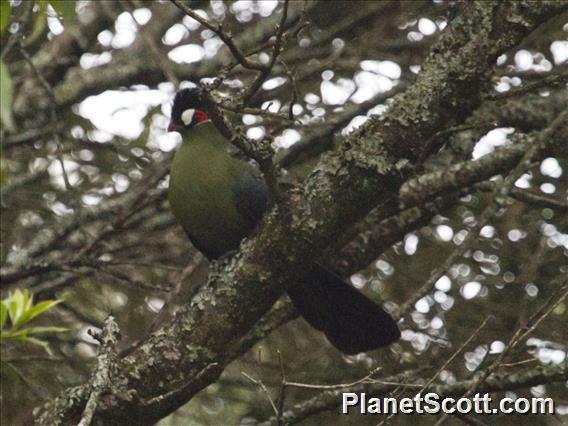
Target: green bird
(219,200)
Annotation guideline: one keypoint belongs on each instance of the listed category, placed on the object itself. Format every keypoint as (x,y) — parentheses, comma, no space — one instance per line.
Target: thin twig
(183,276)
(160,59)
(52,114)
(225,37)
(265,72)
(498,202)
(259,383)
(256,111)
(282,394)
(212,368)
(552,80)
(261,152)
(337,386)
(517,337)
(456,353)
(295,95)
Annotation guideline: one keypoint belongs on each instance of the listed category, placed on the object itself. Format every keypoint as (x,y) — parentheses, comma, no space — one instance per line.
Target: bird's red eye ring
(200,116)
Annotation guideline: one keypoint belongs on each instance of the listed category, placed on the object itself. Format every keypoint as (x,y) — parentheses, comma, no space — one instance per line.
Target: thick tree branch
(341,190)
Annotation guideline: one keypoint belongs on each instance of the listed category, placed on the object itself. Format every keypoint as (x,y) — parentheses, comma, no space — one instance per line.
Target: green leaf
(42,330)
(66,10)
(24,303)
(3,314)
(28,301)
(40,308)
(5,12)
(41,343)
(40,24)
(19,307)
(15,307)
(6,116)
(23,334)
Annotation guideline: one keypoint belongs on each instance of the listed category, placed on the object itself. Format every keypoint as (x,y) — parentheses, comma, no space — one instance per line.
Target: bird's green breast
(201,191)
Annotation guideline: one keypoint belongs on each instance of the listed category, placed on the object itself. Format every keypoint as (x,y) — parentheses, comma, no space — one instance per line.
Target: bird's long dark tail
(351,322)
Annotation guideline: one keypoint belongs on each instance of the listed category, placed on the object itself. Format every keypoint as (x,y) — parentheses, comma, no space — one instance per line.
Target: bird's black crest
(184,99)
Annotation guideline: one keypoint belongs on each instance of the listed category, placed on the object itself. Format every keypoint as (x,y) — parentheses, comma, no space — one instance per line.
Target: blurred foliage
(65,10)
(6,97)
(5,12)
(127,259)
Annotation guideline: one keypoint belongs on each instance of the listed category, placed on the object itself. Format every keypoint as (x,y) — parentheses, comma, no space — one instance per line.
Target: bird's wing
(251,196)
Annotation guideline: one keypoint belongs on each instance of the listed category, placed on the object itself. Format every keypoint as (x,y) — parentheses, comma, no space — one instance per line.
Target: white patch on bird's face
(187,116)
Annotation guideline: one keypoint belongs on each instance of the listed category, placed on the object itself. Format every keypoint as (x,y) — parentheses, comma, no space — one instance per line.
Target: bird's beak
(172,127)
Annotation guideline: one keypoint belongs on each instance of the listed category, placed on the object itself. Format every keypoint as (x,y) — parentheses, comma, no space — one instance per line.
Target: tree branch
(340,191)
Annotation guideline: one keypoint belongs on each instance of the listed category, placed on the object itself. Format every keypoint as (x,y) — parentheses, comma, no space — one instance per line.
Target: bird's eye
(187,116)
